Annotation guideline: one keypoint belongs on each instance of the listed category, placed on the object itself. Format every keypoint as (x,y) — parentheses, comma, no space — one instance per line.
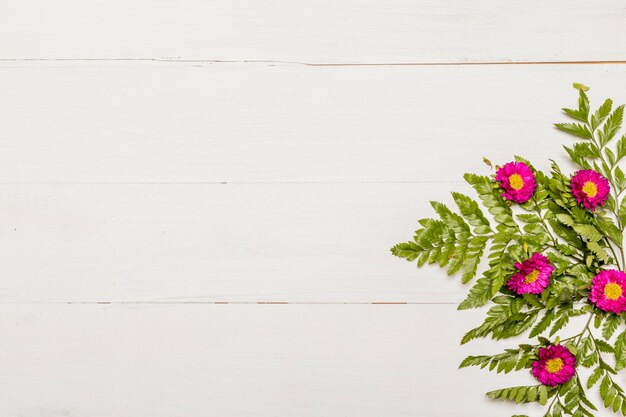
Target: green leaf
(474,252)
(599,251)
(470,210)
(583,100)
(575,114)
(543,395)
(603,111)
(610,156)
(489,193)
(608,228)
(451,219)
(563,319)
(620,351)
(575,129)
(475,361)
(621,147)
(605,387)
(529,218)
(409,250)
(617,403)
(620,178)
(581,87)
(594,377)
(622,211)
(516,394)
(602,346)
(479,294)
(612,126)
(610,325)
(587,231)
(566,219)
(543,324)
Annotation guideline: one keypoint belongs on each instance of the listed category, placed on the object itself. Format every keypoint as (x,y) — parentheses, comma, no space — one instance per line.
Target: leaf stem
(556,397)
(543,221)
(615,254)
(585,329)
(555,242)
(615,209)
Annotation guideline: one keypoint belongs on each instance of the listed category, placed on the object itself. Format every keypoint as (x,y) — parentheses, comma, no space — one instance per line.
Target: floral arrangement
(555,252)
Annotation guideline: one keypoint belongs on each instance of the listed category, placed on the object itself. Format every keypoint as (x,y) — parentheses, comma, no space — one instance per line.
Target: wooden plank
(326,31)
(217,243)
(235,123)
(293,360)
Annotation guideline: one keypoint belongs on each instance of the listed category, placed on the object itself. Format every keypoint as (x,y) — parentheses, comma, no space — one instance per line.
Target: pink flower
(608,291)
(517,181)
(556,365)
(590,188)
(533,276)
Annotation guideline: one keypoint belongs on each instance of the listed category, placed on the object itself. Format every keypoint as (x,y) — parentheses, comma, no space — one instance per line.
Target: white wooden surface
(323,31)
(195,197)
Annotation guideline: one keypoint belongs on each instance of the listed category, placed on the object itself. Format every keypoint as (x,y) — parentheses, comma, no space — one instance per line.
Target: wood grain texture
(206,360)
(325,31)
(172,123)
(169,171)
(231,183)
(217,243)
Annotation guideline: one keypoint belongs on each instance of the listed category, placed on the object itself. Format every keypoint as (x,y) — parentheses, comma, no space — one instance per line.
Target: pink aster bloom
(533,276)
(590,188)
(556,365)
(517,181)
(608,291)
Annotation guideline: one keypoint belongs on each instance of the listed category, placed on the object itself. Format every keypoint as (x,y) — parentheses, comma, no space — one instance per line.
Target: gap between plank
(232,182)
(234,302)
(315,64)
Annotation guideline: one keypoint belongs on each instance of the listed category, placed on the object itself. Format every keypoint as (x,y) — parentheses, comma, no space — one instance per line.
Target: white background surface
(197,198)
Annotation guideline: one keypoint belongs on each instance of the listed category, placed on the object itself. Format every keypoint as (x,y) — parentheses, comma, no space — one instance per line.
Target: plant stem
(543,222)
(555,242)
(615,255)
(556,397)
(585,329)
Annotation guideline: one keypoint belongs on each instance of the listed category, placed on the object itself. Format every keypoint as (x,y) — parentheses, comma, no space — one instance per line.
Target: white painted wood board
(173,189)
(138,123)
(241,360)
(323,31)
(208,242)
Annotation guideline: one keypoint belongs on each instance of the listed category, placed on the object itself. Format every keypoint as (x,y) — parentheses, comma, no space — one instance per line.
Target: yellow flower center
(590,188)
(612,291)
(554,365)
(516,182)
(532,277)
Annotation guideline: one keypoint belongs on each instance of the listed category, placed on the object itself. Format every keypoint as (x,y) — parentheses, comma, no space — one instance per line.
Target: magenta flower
(517,181)
(533,276)
(608,291)
(590,188)
(556,365)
